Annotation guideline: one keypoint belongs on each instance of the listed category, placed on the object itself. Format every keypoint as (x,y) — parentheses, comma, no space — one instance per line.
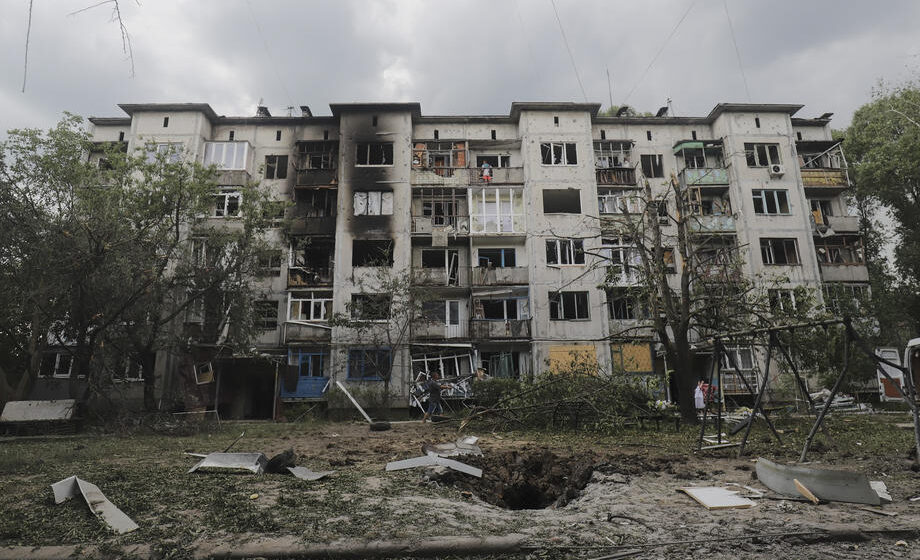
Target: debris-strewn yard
(572,495)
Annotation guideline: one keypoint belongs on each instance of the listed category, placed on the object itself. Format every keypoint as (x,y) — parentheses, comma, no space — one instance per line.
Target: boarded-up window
(573,357)
(632,357)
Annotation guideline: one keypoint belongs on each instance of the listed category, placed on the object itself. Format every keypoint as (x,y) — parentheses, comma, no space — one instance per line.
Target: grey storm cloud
(472,57)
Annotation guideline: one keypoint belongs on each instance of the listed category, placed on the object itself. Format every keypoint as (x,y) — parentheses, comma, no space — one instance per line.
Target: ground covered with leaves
(571,494)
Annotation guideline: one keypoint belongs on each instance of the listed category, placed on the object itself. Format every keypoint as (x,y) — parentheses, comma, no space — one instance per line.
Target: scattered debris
(253,496)
(714,497)
(354,402)
(805,491)
(304,473)
(38,411)
(879,511)
(824,484)
(252,462)
(463,446)
(97,502)
(881,490)
(433,460)
(232,443)
(901,543)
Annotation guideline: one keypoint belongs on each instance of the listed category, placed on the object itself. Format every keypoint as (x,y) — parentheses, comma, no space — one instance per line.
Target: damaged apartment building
(508,225)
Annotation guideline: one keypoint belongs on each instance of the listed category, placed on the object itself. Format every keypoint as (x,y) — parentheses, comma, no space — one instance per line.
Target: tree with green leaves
(104,252)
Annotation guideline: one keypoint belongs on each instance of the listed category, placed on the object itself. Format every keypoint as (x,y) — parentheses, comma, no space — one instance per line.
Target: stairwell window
(374,203)
(767,201)
(266,314)
(558,153)
(779,251)
(370,307)
(762,155)
(652,165)
(227,202)
(565,251)
(374,153)
(276,167)
(568,306)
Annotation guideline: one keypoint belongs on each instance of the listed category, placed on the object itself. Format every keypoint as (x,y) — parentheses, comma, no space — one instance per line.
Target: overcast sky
(461,57)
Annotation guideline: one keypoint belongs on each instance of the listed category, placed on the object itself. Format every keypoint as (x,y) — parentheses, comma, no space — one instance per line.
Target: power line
(731,29)
(572,58)
(657,54)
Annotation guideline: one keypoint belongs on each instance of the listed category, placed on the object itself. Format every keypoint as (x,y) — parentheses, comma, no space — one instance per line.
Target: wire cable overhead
(571,57)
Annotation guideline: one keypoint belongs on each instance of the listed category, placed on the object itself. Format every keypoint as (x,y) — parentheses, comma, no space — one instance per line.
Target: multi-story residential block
(510,224)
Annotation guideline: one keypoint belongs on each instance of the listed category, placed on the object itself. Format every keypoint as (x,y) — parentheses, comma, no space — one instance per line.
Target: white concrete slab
(38,411)
(714,497)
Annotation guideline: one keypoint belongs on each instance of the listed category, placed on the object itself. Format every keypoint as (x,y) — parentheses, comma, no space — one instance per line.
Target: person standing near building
(433,389)
(486,172)
(699,397)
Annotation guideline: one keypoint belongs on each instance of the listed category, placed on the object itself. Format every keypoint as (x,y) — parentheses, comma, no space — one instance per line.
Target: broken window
(770,201)
(779,251)
(623,257)
(270,262)
(372,252)
(444,312)
(624,305)
(741,356)
(567,306)
(781,300)
(172,151)
(554,153)
(374,203)
(317,155)
(840,249)
(374,153)
(496,258)
(611,201)
(276,167)
(227,202)
(439,155)
(309,362)
(441,212)
(501,364)
(310,306)
(652,165)
(831,159)
(369,364)
(608,155)
(561,201)
(565,251)
(315,203)
(370,307)
(840,297)
(497,211)
(266,314)
(311,260)
(499,309)
(56,364)
(821,209)
(667,257)
(228,156)
(761,155)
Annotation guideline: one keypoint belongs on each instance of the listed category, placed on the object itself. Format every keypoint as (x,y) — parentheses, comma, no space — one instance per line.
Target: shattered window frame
(771,202)
(371,364)
(762,154)
(569,306)
(374,154)
(558,153)
(224,207)
(265,313)
(276,167)
(565,252)
(780,251)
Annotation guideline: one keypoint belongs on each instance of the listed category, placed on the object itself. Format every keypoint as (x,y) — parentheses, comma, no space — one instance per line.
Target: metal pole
(763,386)
(830,399)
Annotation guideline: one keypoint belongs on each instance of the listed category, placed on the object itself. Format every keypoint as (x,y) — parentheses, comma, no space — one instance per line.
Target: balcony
(502,276)
(856,272)
(444,176)
(228,156)
(824,178)
(724,223)
(300,277)
(498,176)
(842,224)
(485,329)
(435,330)
(315,177)
(616,176)
(617,276)
(426,225)
(456,277)
(705,176)
(297,332)
(313,225)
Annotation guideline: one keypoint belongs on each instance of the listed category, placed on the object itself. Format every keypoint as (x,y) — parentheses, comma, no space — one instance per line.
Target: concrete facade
(512,258)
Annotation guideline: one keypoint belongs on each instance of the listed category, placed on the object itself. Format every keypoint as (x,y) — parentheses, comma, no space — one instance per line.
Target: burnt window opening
(312,255)
(436,135)
(568,306)
(556,121)
(693,134)
(121,136)
(315,203)
(370,307)
(317,155)
(165,122)
(652,165)
(556,153)
(497,258)
(561,201)
(565,251)
(625,304)
(498,309)
(493,134)
(779,251)
(648,134)
(266,314)
(369,364)
(373,203)
(374,153)
(438,258)
(374,120)
(276,167)
(372,252)
(603,135)
(757,122)
(269,262)
(325,135)
(277,135)
(798,135)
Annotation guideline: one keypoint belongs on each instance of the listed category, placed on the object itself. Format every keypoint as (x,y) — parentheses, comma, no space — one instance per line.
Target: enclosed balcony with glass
(701,162)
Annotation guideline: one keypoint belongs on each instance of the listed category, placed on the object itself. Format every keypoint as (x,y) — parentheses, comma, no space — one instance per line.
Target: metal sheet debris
(825,484)
(434,460)
(463,446)
(97,502)
(714,497)
(303,473)
(252,462)
(38,411)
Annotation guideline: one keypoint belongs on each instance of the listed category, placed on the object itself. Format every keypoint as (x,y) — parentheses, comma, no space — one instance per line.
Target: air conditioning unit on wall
(777,170)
